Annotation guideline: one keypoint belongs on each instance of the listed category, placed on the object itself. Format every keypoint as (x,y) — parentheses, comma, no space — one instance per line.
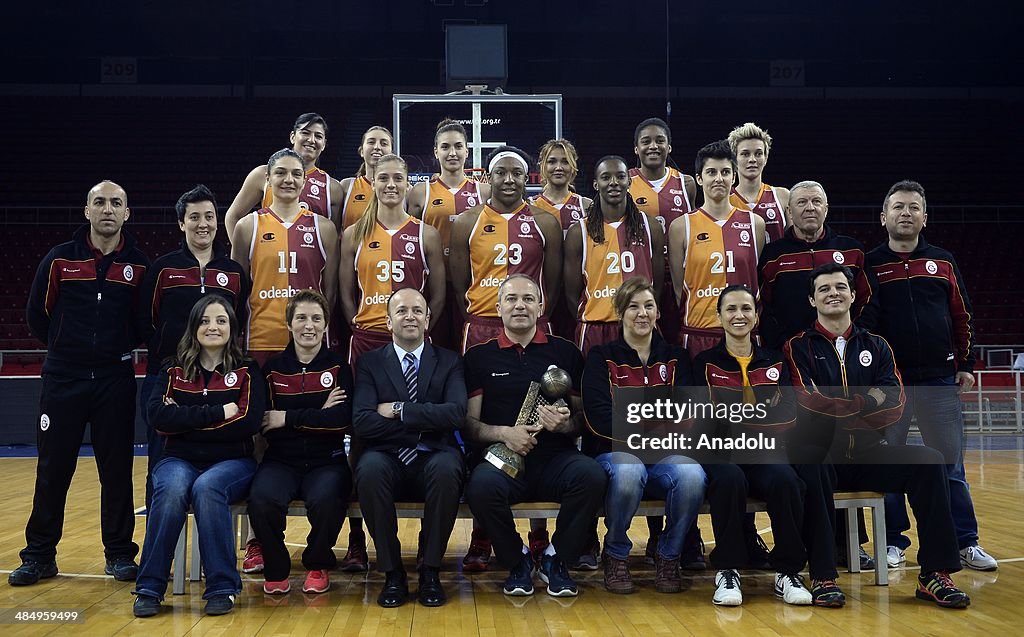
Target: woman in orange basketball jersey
(438,202)
(505,236)
(321,193)
(385,251)
(284,248)
(449,192)
(377,142)
(558,169)
(559,166)
(614,243)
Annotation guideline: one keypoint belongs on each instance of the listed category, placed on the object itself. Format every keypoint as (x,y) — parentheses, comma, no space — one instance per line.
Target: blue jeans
(936,403)
(676,479)
(155,442)
(177,484)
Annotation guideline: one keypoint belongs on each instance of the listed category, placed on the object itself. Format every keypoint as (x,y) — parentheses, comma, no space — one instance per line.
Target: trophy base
(502,464)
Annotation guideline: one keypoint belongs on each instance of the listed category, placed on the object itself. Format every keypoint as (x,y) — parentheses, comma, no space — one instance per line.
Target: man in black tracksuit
(849,390)
(784,272)
(784,268)
(83,307)
(926,316)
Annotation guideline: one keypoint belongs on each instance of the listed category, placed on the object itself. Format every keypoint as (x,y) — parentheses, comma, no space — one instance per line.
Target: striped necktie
(408,454)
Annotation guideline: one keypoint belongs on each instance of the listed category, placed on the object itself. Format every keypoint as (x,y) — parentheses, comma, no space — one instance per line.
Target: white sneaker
(975,557)
(895,557)
(727,588)
(791,589)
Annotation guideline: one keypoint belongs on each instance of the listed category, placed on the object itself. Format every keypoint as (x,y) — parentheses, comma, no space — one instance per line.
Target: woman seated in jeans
(640,358)
(209,405)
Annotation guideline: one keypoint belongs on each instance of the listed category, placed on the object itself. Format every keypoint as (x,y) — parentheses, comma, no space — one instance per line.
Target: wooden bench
(851,502)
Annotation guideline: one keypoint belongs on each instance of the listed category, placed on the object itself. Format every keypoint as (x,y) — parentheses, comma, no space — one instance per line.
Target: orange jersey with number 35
(388,261)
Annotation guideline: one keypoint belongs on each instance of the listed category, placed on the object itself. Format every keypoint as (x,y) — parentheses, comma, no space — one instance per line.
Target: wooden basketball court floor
(476,605)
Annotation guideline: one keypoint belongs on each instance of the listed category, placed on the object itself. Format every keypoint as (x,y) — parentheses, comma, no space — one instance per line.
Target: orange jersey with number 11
(283,259)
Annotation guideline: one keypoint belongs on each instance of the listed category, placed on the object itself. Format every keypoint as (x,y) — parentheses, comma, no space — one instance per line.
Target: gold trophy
(553,386)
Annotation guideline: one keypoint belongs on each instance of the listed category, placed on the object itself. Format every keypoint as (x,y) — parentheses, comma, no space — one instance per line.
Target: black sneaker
(145,606)
(827,594)
(692,558)
(554,573)
(31,572)
(867,563)
(757,554)
(520,579)
(124,569)
(220,604)
(939,588)
(590,559)
(651,552)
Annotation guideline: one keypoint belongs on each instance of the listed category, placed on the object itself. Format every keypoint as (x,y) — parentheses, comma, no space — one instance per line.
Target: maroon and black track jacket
(769,379)
(195,427)
(923,311)
(616,364)
(311,435)
(83,306)
(173,285)
(784,276)
(832,390)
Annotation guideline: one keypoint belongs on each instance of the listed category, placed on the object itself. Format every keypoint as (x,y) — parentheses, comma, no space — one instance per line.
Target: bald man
(83,308)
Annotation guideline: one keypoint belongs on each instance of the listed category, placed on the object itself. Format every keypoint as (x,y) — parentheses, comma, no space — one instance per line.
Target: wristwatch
(396,409)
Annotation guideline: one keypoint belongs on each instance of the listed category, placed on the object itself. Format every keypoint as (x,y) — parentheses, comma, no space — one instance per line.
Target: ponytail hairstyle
(570,154)
(362,167)
(284,152)
(449,125)
(364,226)
(594,219)
(187,355)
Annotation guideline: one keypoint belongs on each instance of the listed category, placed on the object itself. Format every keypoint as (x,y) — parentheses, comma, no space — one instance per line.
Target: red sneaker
(317,581)
(478,557)
(538,544)
(276,588)
(253,561)
(356,560)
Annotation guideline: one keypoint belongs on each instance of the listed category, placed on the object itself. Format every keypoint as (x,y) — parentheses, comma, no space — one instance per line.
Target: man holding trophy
(518,385)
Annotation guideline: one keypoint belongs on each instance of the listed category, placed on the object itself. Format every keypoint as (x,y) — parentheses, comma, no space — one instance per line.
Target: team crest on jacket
(838,257)
(129,272)
(44,422)
(222,279)
(772,374)
(663,372)
(326,379)
(929,265)
(865,358)
(231,379)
